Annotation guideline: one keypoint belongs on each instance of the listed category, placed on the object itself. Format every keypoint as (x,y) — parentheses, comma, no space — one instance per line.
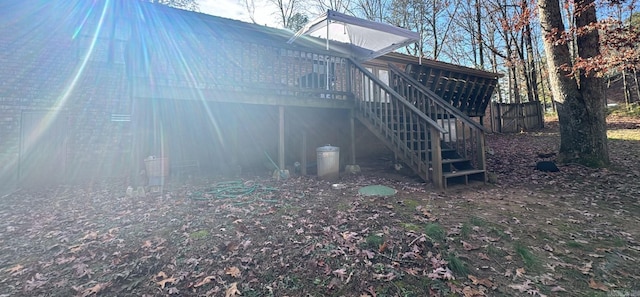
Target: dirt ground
(571,233)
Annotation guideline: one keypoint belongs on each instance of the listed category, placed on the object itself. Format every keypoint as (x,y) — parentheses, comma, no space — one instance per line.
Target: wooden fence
(516,117)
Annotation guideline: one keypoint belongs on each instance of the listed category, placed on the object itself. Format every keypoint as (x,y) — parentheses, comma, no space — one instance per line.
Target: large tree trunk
(579,98)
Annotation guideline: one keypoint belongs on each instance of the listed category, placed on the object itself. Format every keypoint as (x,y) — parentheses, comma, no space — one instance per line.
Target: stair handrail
(399,97)
(433,96)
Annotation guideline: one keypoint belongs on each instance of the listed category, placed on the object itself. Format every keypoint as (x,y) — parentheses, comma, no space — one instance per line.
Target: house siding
(61,64)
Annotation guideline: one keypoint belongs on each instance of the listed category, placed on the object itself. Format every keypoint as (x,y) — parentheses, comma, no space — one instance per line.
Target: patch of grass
(374,241)
(567,227)
(435,232)
(465,230)
(619,241)
(342,206)
(199,234)
(404,289)
(476,221)
(624,134)
(457,265)
(529,259)
(410,226)
(632,110)
(494,251)
(495,231)
(574,244)
(576,278)
(410,203)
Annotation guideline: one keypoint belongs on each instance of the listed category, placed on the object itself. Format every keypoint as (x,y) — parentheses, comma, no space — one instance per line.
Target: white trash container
(328,162)
(157,170)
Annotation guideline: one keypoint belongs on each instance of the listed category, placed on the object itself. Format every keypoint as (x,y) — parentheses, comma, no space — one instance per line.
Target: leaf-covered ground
(571,233)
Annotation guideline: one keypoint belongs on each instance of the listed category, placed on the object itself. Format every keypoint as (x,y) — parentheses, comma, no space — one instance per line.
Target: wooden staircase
(437,141)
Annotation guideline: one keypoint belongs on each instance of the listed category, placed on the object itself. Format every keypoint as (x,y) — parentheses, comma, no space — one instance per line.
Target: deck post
(436,159)
(482,157)
(303,154)
(352,135)
(352,167)
(234,141)
(281,138)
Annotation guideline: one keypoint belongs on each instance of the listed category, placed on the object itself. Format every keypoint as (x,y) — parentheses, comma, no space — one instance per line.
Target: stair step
(449,161)
(462,173)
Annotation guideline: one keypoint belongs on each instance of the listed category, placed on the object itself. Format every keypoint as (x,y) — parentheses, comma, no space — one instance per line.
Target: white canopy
(366,39)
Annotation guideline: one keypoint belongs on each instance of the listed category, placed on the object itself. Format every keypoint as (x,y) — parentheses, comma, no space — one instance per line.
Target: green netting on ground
(377,190)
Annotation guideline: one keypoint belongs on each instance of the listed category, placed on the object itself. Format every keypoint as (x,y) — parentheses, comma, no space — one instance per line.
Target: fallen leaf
(597,286)
(95,289)
(480,281)
(558,289)
(147,244)
(469,247)
(232,290)
(233,271)
(205,281)
(411,271)
(383,247)
(520,272)
(522,287)
(471,292)
(586,269)
(161,275)
(483,256)
(441,273)
(15,269)
(76,248)
(90,236)
(387,277)
(171,280)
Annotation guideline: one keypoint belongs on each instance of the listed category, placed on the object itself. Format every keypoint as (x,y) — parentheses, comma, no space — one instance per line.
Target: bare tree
(250,5)
(286,9)
(336,5)
(183,4)
(432,19)
(374,10)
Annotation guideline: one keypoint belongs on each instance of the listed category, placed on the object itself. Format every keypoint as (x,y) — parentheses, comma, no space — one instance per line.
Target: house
(90,89)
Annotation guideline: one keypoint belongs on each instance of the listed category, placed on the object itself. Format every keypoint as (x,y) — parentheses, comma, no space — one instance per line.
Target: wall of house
(70,77)
(49,76)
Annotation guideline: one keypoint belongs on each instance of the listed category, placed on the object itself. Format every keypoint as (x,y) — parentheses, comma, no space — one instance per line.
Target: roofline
(407,59)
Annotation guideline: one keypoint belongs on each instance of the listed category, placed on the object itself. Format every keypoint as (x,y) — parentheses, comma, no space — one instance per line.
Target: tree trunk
(625,88)
(579,99)
(479,27)
(635,78)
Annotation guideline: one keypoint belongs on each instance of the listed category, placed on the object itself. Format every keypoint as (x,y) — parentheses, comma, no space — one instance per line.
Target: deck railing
(464,135)
(240,66)
(406,130)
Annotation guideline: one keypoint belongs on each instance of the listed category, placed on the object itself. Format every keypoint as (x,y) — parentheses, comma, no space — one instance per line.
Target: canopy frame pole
(326,73)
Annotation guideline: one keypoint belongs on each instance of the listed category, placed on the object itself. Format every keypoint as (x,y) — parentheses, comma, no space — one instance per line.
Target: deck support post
(234,141)
(482,157)
(281,138)
(436,160)
(352,136)
(352,167)
(303,154)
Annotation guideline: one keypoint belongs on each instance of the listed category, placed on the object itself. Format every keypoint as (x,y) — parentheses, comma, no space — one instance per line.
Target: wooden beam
(255,96)
(281,138)
(436,159)
(352,136)
(303,157)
